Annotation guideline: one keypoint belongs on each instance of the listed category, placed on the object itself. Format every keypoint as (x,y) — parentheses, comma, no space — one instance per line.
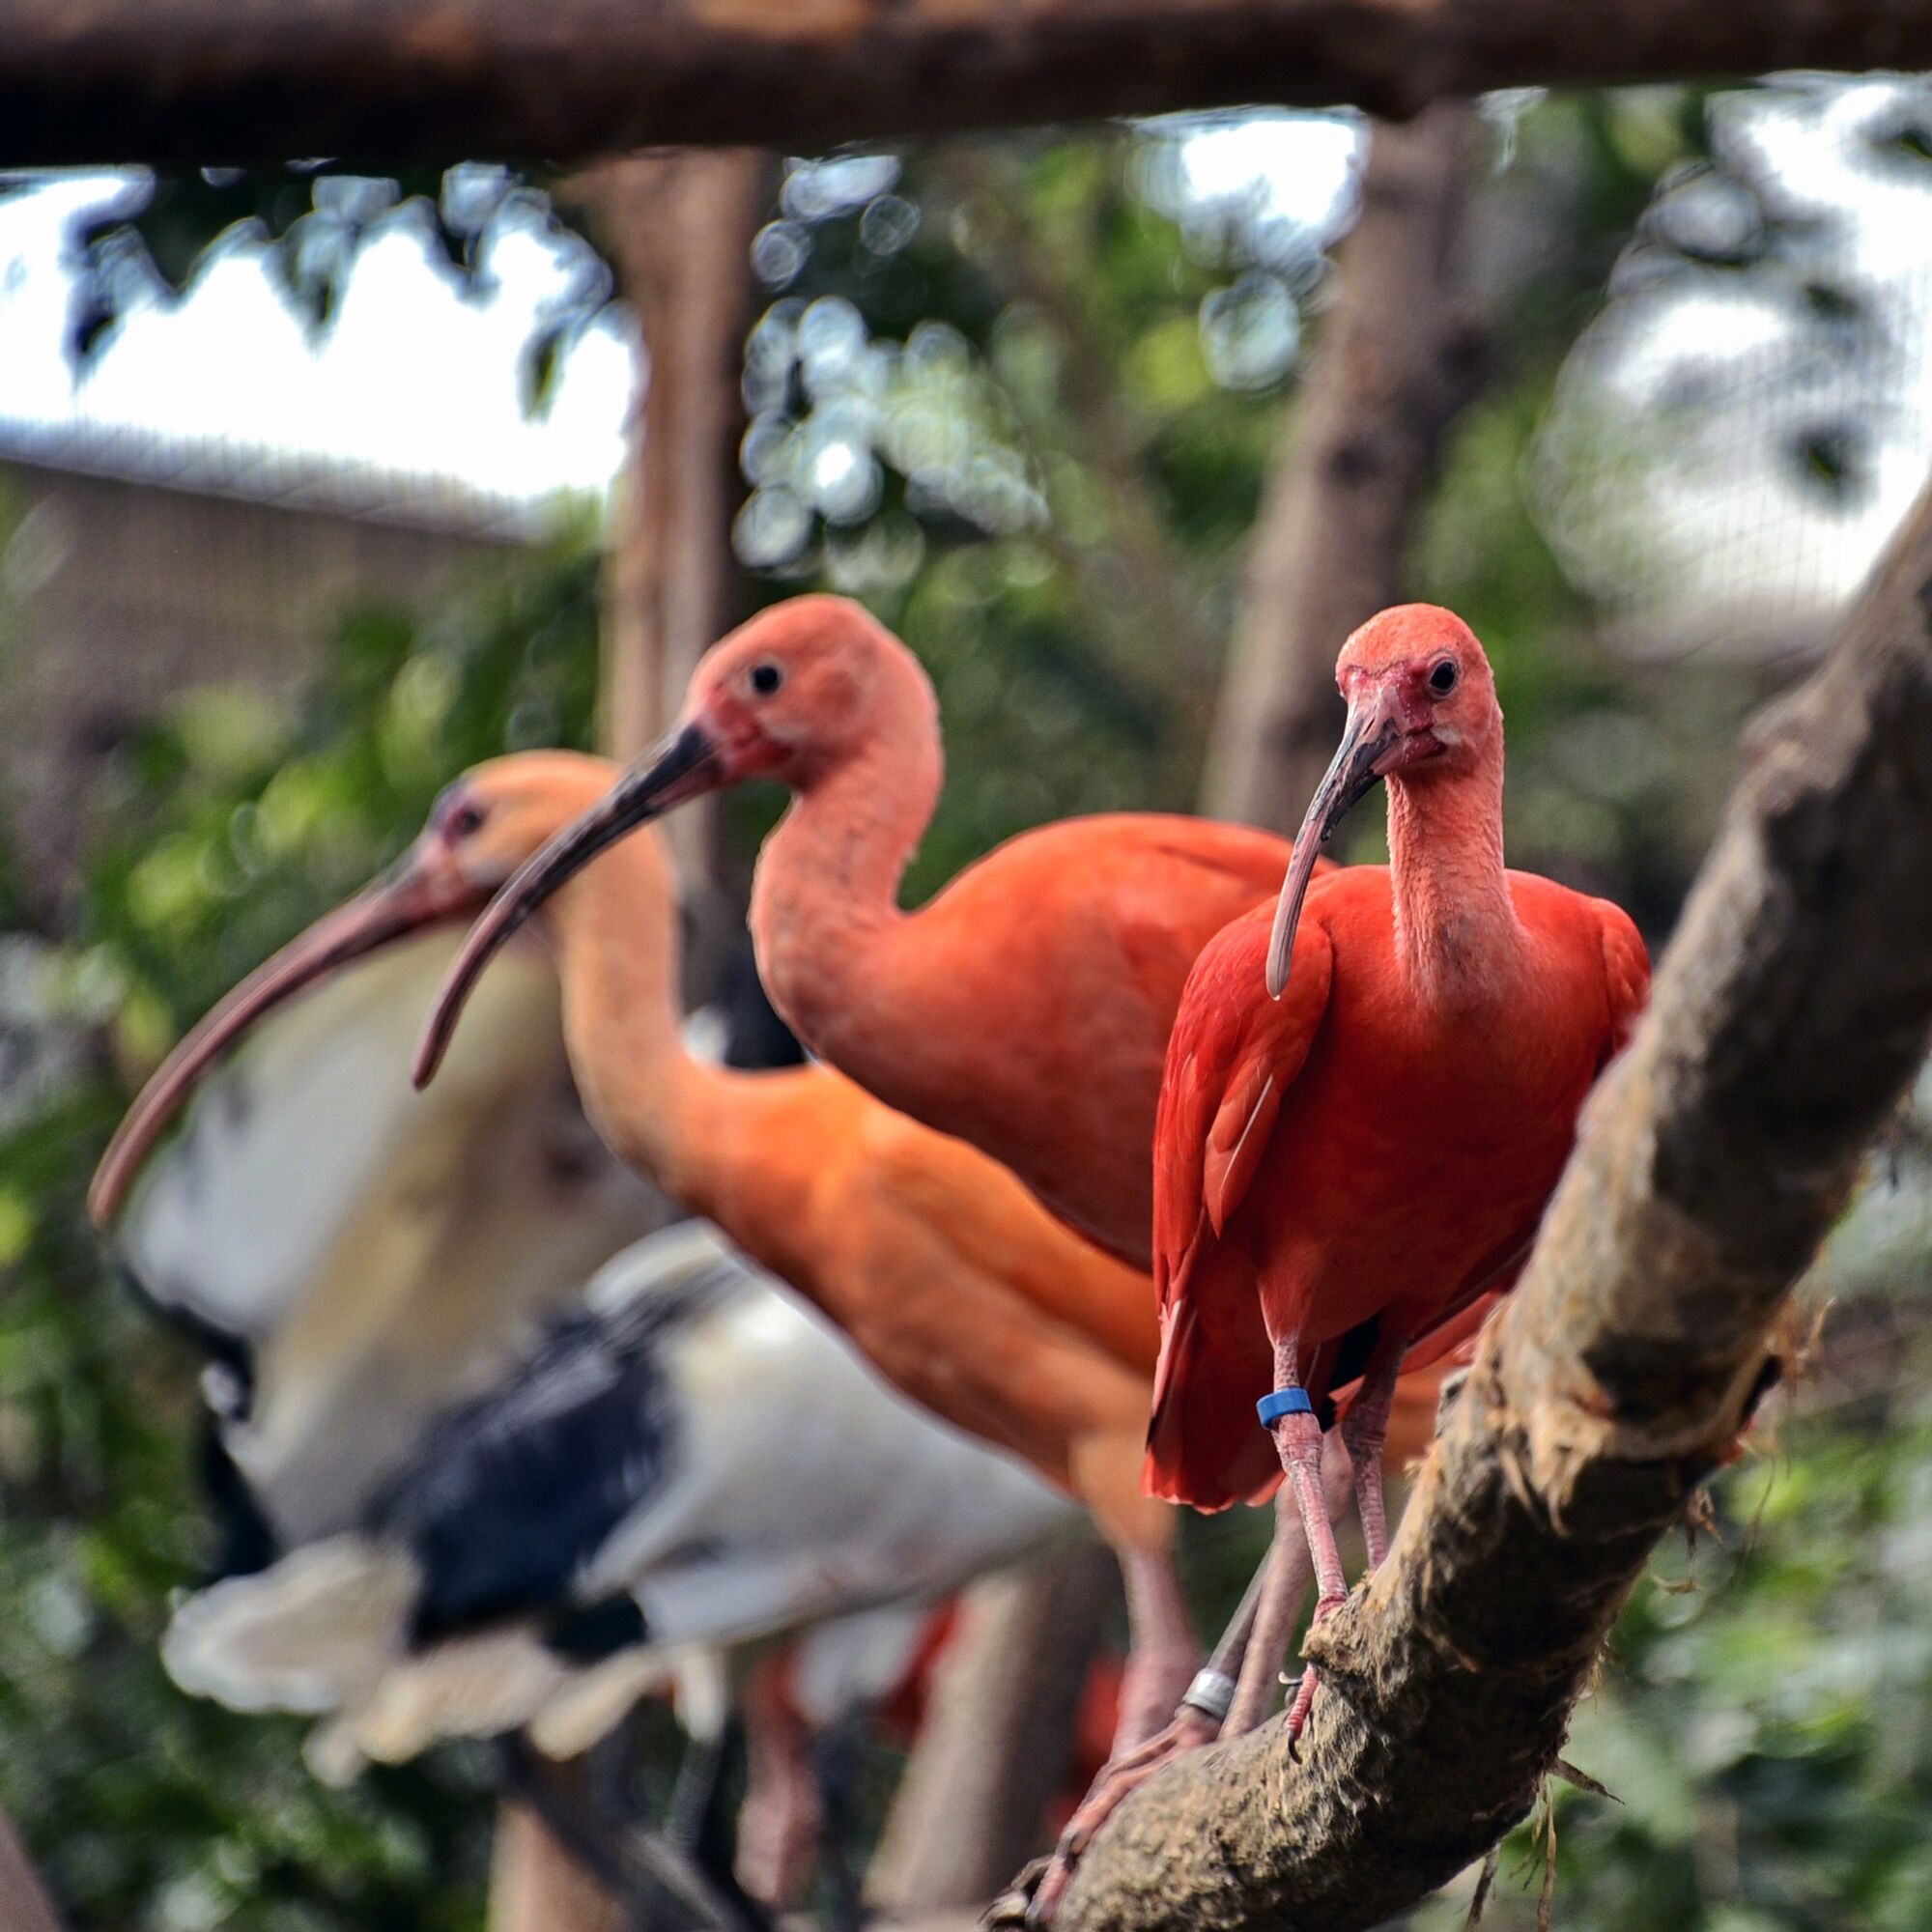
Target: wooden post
(995,1745)
(678,227)
(24,1904)
(536,1886)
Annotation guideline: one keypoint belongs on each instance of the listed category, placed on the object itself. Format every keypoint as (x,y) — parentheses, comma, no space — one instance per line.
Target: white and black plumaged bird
(691,1463)
(470,1495)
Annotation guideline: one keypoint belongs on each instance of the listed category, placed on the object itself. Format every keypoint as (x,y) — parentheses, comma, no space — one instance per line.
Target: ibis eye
(457,812)
(1442,679)
(766,678)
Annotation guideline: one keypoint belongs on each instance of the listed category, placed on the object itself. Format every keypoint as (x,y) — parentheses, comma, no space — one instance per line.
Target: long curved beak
(683,766)
(1373,731)
(406,899)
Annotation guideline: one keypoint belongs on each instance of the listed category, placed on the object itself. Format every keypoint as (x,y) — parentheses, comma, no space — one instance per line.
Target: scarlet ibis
(611,1518)
(940,1265)
(1370,1094)
(1026,1007)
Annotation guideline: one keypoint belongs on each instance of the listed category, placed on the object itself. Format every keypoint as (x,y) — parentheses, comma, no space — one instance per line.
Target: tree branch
(197,81)
(1790,1013)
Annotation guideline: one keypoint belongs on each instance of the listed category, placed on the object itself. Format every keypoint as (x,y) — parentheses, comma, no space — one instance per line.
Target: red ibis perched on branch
(1370,1094)
(1026,1007)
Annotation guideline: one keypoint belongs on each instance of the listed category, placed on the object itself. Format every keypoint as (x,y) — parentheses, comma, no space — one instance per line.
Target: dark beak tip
(429,1052)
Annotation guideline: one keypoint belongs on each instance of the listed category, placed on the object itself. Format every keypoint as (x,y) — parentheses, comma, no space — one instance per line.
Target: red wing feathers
(1232,1055)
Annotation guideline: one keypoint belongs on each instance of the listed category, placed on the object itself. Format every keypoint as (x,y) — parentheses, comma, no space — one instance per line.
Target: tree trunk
(191,82)
(536,1886)
(1791,1011)
(24,1904)
(1399,353)
(994,1747)
(679,229)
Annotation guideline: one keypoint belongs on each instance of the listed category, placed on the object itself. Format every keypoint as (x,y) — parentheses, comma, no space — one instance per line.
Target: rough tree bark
(536,1886)
(197,81)
(994,1746)
(678,228)
(1399,354)
(1791,1011)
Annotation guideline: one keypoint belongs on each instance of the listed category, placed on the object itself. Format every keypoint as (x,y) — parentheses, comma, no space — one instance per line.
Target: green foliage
(1762,1720)
(238,825)
(310,221)
(994,398)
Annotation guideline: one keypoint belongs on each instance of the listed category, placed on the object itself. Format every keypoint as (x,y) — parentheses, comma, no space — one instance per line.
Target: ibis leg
(1162,1652)
(1216,1681)
(1286,1572)
(1297,1439)
(1363,1431)
(781,1817)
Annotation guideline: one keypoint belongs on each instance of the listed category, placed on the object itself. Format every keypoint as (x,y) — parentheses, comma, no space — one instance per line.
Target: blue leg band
(1283,1401)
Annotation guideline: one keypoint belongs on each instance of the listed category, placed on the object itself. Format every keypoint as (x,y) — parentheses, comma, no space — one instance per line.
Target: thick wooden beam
(199,81)
(678,226)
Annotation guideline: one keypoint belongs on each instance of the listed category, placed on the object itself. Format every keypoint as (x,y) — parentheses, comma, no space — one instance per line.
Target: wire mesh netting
(1734,439)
